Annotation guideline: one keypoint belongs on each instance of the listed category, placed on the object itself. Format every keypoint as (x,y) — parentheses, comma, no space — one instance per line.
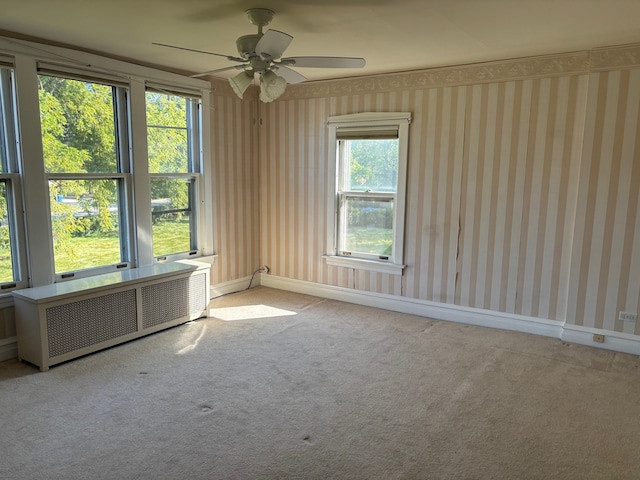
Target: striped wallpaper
(514,178)
(235,175)
(605,265)
(490,202)
(521,160)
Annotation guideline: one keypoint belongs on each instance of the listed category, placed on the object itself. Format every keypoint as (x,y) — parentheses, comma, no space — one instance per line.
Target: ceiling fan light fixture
(271,86)
(240,83)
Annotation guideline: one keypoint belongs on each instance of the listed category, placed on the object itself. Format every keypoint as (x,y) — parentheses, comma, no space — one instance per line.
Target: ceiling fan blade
(273,44)
(291,76)
(325,62)
(228,57)
(220,70)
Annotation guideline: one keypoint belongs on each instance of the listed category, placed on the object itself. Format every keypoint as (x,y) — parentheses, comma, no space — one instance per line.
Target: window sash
(84,268)
(363,126)
(346,229)
(191,213)
(192,128)
(191,174)
(118,171)
(115,163)
(12,183)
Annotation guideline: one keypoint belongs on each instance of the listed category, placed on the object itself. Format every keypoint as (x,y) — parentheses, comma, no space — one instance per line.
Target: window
(369,196)
(85,146)
(173,151)
(12,264)
(99,172)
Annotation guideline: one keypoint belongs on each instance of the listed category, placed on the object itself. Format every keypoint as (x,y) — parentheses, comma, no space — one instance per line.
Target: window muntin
(82,123)
(172,144)
(369,197)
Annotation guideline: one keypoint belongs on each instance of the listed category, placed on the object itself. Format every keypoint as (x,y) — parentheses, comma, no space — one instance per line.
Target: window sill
(361,264)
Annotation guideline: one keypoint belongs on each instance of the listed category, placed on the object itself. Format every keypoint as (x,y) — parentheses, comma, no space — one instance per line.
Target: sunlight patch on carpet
(248,312)
(190,338)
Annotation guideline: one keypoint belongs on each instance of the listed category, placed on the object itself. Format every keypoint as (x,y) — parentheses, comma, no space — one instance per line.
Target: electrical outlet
(598,338)
(628,317)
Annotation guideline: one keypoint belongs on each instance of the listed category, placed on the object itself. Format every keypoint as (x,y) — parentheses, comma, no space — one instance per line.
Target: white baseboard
(616,341)
(619,342)
(423,308)
(232,286)
(8,348)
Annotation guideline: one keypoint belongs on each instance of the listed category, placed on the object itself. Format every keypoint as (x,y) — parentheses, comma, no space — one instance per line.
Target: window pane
(372,164)
(78,126)
(167,133)
(85,224)
(369,226)
(6,262)
(172,215)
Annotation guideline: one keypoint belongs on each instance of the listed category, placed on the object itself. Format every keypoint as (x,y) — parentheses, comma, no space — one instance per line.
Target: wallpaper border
(572,63)
(504,70)
(610,58)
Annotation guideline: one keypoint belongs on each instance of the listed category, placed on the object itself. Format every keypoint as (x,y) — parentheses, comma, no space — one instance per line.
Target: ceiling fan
(261,54)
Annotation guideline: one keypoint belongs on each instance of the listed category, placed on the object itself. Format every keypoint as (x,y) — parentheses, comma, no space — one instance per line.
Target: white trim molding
(423,308)
(232,286)
(615,341)
(363,264)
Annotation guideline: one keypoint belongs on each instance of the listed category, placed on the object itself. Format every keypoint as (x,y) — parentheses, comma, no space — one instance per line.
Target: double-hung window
(173,144)
(85,145)
(368,201)
(13,267)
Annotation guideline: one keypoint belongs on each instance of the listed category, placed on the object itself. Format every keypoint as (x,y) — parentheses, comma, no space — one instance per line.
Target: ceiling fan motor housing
(247,45)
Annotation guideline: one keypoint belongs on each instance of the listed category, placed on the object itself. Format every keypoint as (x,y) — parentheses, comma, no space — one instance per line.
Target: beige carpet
(287,386)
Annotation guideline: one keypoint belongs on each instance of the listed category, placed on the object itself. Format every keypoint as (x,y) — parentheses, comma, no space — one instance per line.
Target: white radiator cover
(56,323)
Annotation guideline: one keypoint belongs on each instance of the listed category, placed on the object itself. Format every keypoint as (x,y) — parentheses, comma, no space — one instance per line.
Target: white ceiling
(393,35)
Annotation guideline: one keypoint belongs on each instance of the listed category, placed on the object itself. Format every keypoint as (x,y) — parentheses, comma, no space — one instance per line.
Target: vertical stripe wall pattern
(523,186)
(605,266)
(236,187)
(491,192)
(518,195)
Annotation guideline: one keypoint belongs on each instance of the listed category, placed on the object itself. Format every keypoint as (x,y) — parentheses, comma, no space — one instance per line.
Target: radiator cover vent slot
(84,323)
(168,301)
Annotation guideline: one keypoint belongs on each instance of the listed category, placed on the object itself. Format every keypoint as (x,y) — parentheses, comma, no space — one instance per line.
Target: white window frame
(26,58)
(12,180)
(371,121)
(122,175)
(194,125)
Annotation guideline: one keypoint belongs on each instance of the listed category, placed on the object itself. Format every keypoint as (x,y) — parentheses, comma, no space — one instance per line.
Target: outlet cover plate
(628,317)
